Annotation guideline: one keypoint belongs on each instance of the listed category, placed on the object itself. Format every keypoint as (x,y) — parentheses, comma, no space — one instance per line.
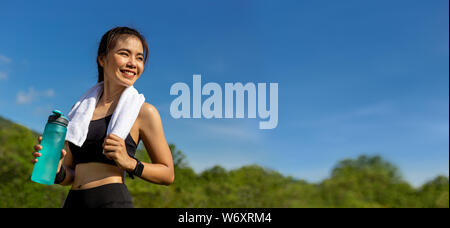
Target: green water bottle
(52,143)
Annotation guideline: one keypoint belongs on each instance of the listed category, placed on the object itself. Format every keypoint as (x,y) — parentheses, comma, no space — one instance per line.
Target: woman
(97,179)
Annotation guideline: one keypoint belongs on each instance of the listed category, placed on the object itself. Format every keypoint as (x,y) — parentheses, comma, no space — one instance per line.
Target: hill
(366,181)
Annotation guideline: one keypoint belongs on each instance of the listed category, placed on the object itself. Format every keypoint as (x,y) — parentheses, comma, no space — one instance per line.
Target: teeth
(128,72)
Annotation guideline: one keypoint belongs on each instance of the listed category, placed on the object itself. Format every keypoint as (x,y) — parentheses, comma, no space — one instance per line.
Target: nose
(132,63)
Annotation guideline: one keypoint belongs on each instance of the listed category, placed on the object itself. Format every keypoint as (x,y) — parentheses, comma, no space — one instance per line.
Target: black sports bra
(92,150)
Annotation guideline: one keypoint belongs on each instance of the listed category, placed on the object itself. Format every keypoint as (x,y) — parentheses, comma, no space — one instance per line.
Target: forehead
(131,43)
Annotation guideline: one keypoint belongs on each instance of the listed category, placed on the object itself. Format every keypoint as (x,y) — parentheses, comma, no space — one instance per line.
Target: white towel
(122,120)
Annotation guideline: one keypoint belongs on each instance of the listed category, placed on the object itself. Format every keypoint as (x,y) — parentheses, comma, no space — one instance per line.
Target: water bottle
(52,143)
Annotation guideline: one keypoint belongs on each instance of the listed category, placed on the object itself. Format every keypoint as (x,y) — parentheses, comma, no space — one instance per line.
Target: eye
(141,59)
(123,53)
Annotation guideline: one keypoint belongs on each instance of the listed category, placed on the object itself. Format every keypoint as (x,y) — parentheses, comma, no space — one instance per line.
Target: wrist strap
(61,175)
(131,173)
(139,168)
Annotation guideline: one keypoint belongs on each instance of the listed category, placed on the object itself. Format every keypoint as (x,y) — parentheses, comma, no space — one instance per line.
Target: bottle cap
(58,118)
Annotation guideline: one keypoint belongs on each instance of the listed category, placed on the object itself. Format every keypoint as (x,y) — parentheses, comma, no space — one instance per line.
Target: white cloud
(3,76)
(4,59)
(25,97)
(32,95)
(49,93)
(42,110)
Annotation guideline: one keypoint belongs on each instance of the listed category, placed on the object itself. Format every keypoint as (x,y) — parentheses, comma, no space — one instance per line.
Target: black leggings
(114,195)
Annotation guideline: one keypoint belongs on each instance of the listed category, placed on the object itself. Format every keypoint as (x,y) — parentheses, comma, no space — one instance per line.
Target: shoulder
(148,111)
(148,115)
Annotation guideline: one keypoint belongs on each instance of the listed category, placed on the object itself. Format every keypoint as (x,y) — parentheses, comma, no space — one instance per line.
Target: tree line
(365,181)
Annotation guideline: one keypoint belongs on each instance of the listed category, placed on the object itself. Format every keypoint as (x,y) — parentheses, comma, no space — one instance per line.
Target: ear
(100,61)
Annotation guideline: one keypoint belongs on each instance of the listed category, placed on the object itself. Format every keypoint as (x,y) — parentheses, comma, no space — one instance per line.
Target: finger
(34,161)
(109,155)
(40,138)
(111,142)
(37,147)
(36,154)
(113,136)
(109,148)
(63,153)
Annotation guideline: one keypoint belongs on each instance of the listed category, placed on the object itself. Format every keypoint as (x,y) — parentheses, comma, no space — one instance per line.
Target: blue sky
(355,77)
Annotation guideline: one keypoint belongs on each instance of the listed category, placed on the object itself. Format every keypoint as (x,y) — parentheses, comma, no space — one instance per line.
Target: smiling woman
(95,167)
(124,64)
(118,39)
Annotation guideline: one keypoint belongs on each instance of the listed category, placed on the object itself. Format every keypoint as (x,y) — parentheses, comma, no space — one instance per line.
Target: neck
(111,92)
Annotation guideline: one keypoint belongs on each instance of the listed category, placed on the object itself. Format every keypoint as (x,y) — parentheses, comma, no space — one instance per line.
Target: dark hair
(109,41)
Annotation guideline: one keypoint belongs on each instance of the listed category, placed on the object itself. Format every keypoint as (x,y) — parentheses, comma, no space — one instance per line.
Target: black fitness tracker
(139,168)
(61,175)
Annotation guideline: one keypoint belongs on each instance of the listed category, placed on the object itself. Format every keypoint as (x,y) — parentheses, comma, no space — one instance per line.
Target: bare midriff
(94,174)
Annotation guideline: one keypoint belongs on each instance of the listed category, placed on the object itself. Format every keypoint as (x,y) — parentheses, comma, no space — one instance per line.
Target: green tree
(435,193)
(16,188)
(179,159)
(367,182)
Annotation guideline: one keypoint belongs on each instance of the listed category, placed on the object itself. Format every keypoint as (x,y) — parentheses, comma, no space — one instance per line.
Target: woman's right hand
(37,147)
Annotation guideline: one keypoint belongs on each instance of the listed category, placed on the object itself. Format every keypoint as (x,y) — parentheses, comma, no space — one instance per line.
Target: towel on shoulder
(122,120)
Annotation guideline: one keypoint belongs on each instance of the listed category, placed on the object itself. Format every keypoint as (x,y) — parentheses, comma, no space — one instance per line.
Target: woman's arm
(68,164)
(151,132)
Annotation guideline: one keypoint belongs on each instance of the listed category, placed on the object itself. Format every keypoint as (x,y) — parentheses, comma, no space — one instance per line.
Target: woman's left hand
(115,149)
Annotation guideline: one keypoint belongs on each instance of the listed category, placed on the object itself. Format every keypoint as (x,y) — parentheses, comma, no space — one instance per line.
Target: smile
(128,74)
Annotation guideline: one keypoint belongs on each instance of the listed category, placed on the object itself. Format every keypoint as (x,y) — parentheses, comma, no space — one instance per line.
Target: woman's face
(124,64)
